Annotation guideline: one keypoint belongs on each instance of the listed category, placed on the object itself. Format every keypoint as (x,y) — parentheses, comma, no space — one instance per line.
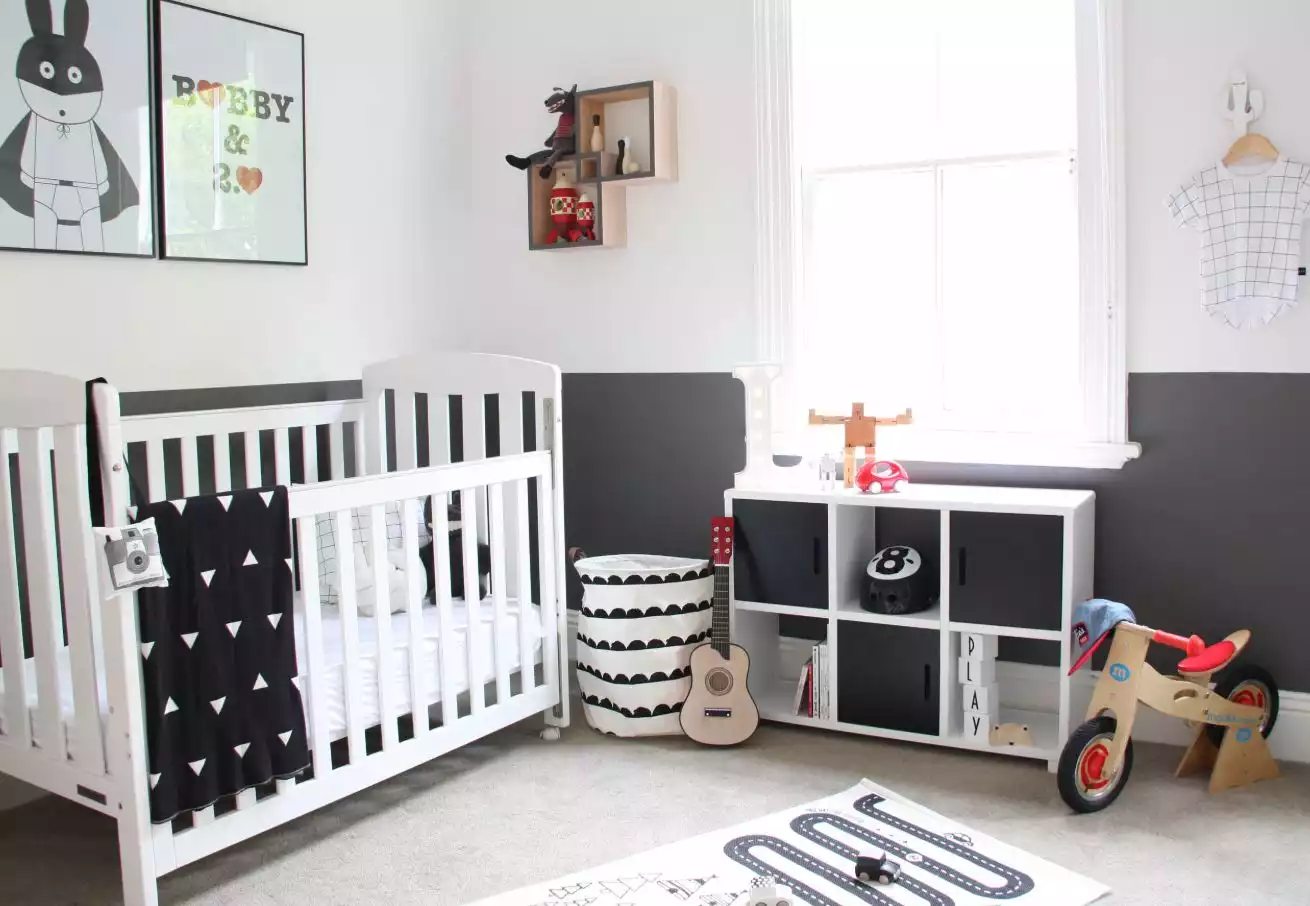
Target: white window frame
(1103,339)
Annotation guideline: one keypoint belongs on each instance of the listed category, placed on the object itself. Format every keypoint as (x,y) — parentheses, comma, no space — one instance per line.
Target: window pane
(864,82)
(867,329)
(1010,292)
(1007,76)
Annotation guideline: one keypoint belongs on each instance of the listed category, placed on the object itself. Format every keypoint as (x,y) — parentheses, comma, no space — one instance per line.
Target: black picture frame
(144,180)
(162,81)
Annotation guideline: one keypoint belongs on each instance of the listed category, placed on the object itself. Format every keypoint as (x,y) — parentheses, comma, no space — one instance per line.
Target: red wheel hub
(1249,695)
(1091,767)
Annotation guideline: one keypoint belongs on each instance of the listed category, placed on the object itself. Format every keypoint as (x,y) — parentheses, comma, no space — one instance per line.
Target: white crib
(393,691)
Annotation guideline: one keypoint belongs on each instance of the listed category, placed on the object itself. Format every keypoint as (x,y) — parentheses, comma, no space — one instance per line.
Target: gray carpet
(513,810)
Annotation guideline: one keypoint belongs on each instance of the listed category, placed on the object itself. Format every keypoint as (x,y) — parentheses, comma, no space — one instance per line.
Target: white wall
(1178,57)
(387,114)
(678,297)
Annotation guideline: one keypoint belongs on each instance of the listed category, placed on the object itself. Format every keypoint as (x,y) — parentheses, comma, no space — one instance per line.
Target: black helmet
(899,582)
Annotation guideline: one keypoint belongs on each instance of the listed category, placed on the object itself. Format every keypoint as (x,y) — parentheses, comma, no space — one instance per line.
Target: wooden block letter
(981,698)
(977,727)
(977,671)
(979,646)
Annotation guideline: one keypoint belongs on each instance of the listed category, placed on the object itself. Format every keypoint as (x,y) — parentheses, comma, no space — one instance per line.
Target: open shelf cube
(779,647)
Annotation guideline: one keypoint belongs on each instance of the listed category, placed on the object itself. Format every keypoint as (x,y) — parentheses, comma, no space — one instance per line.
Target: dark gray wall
(1206,533)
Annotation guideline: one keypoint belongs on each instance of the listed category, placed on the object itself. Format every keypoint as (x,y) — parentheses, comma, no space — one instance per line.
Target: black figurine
(618,167)
(564,140)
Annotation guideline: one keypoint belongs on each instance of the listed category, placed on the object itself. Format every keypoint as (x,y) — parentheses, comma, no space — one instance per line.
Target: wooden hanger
(1253,144)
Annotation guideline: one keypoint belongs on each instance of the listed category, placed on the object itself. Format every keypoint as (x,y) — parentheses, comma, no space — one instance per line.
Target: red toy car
(882,475)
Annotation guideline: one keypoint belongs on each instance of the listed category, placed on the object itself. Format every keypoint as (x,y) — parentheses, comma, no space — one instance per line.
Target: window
(941,179)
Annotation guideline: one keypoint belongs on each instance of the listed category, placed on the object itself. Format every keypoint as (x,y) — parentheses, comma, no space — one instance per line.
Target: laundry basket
(641,617)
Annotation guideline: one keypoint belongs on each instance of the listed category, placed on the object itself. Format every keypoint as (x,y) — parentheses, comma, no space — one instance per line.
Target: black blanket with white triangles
(223,709)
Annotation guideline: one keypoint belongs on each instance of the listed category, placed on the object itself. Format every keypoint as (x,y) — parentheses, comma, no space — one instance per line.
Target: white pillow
(329,582)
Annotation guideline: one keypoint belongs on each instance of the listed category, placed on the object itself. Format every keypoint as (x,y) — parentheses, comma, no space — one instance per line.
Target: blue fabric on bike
(1092,621)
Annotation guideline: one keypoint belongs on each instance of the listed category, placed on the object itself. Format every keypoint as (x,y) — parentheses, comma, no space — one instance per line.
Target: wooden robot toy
(861,431)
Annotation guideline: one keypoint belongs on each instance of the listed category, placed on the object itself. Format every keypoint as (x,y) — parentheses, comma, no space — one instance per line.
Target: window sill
(985,448)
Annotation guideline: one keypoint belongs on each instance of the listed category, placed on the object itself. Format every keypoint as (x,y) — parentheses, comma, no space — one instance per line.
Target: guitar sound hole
(718,681)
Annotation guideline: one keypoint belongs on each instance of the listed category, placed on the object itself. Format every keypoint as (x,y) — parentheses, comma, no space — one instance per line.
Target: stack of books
(812,688)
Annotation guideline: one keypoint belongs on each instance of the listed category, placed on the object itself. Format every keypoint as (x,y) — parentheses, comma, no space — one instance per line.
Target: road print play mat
(812,849)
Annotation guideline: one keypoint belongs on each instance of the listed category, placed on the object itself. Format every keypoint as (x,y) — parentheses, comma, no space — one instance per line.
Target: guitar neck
(721,631)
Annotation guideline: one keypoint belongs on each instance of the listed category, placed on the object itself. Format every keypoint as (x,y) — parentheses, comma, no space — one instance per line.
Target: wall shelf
(645,112)
(799,569)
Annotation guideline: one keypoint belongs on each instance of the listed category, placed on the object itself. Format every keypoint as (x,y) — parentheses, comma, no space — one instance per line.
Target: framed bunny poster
(75,127)
(231,138)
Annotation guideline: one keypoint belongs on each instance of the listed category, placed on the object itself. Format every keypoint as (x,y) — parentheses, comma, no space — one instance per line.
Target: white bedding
(333,685)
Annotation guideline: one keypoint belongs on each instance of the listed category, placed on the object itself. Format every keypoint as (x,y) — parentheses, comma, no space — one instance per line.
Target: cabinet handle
(817,558)
(927,682)
(962,562)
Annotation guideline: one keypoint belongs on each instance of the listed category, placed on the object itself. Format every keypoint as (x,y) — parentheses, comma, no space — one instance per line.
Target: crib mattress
(333,683)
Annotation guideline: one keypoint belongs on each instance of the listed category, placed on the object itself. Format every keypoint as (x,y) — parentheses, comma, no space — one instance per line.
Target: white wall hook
(1242,105)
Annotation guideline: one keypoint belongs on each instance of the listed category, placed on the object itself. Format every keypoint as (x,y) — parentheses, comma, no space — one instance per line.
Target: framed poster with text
(75,127)
(231,138)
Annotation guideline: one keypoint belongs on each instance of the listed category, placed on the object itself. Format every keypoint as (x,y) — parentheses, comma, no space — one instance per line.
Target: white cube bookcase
(1012,564)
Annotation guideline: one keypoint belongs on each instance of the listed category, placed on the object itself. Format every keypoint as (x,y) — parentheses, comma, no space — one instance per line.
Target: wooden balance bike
(1232,720)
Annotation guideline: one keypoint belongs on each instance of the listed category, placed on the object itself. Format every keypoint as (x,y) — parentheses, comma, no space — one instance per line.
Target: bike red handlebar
(1193,645)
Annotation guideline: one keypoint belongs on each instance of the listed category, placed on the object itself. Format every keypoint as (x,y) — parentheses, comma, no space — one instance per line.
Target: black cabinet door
(1007,569)
(781,554)
(888,676)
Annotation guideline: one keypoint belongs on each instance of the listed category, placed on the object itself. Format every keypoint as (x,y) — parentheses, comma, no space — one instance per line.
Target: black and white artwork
(75,141)
(232,138)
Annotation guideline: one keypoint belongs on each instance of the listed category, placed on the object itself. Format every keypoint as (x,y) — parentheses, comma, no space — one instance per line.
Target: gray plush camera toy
(132,557)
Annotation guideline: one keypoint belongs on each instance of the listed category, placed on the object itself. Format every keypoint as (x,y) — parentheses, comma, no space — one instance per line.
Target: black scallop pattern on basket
(633,613)
(647,580)
(636,679)
(638,645)
(657,711)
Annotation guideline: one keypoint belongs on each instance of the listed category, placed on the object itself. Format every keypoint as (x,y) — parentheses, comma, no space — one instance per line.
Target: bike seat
(1210,660)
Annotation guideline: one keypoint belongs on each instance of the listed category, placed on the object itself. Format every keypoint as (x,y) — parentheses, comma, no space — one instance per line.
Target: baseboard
(1029,685)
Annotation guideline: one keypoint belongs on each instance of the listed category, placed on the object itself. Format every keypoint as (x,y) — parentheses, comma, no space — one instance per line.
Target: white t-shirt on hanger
(1249,216)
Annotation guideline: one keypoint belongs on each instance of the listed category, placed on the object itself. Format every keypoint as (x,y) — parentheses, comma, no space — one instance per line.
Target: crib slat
(438,429)
(499,551)
(361,468)
(409,516)
(155,471)
(320,730)
(475,447)
(347,605)
(511,441)
(406,431)
(284,785)
(472,605)
(190,468)
(523,548)
(80,592)
(222,463)
(546,557)
(42,584)
(202,816)
(17,727)
(282,455)
(445,612)
(254,461)
(337,449)
(377,556)
(248,797)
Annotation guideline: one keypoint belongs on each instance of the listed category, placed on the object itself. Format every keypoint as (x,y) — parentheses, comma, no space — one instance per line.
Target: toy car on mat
(882,475)
(880,869)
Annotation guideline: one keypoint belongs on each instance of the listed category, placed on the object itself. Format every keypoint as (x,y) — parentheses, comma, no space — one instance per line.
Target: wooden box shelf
(646,113)
(799,570)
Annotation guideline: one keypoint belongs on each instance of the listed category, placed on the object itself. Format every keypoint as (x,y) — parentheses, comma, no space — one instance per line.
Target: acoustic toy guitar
(719,710)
